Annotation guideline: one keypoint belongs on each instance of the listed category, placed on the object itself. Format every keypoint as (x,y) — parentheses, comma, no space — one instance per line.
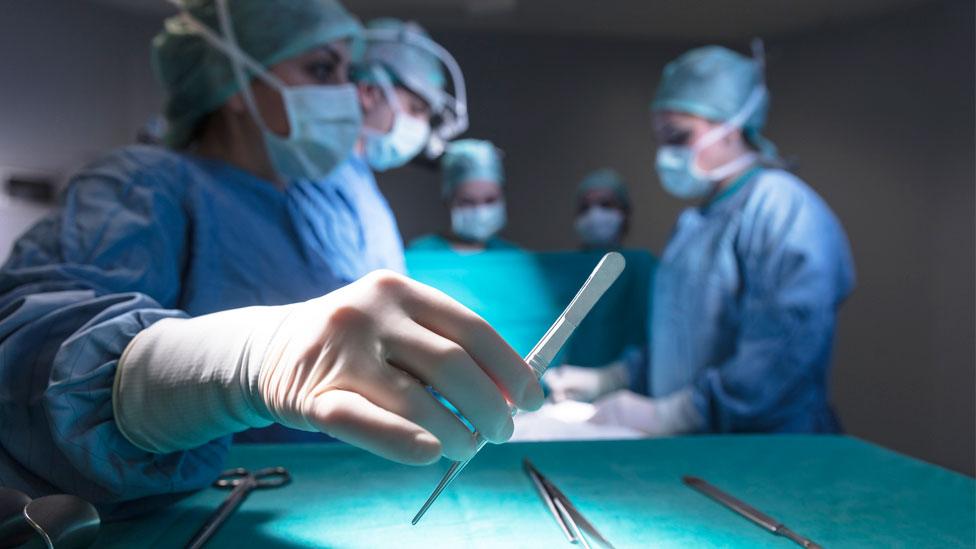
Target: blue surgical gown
(745,304)
(350,220)
(144,234)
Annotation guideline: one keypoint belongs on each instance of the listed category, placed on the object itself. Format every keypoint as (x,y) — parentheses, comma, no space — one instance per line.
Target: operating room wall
(76,81)
(878,116)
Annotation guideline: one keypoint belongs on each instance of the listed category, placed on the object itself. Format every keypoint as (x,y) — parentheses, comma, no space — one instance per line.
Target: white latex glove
(656,417)
(585,384)
(353,364)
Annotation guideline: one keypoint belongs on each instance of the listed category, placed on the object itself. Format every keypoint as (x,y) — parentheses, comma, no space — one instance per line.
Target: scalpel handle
(541,356)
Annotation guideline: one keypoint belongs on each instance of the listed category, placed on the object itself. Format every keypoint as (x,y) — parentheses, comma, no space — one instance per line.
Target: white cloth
(567,420)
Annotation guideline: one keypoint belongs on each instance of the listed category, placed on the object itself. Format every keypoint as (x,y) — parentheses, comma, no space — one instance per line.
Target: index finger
(444,316)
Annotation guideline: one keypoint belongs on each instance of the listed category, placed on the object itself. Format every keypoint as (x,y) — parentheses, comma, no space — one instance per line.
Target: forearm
(60,353)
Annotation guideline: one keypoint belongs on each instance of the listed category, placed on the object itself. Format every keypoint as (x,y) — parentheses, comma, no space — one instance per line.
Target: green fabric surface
(521,293)
(439,243)
(838,491)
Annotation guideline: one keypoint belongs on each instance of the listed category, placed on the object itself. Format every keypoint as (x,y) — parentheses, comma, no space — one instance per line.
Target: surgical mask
(677,165)
(324,121)
(405,140)
(599,226)
(478,223)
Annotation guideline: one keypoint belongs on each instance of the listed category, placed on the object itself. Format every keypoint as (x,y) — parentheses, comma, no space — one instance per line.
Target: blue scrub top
(144,234)
(436,242)
(745,306)
(350,221)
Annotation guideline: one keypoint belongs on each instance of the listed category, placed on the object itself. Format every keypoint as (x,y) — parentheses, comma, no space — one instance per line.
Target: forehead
(672,119)
(595,196)
(340,49)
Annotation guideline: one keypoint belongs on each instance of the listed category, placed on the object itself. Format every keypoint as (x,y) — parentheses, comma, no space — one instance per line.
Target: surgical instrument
(749,512)
(603,276)
(241,482)
(569,518)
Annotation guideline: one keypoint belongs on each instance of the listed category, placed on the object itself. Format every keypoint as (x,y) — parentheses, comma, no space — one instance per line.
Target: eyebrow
(333,53)
(670,130)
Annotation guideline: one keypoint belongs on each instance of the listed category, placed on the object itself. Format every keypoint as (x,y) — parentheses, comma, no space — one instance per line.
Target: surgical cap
(470,160)
(714,83)
(417,69)
(605,179)
(198,78)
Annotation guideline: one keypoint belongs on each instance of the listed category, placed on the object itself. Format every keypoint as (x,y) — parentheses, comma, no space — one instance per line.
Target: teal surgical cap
(198,79)
(470,160)
(714,83)
(605,179)
(411,66)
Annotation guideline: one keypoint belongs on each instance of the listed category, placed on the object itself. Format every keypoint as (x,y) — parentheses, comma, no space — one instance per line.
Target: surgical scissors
(240,482)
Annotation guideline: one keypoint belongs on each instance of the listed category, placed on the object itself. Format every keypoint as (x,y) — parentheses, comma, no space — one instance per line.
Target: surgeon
(472,187)
(402,85)
(602,211)
(176,298)
(746,297)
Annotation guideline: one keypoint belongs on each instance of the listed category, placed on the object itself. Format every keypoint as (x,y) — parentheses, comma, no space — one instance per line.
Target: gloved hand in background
(585,384)
(674,414)
(354,364)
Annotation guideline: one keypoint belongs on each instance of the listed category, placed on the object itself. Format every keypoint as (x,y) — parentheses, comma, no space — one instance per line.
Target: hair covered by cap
(198,79)
(470,160)
(607,179)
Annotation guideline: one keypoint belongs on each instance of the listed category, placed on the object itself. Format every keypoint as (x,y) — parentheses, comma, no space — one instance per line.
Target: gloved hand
(657,417)
(585,384)
(353,364)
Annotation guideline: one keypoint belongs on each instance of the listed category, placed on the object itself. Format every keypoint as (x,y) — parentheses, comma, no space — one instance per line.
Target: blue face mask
(324,121)
(478,223)
(599,226)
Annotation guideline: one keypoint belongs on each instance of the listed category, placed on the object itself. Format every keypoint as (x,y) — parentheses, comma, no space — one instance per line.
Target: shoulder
(781,202)
(783,212)
(136,190)
(789,235)
(500,244)
(776,189)
(128,170)
(428,242)
(139,160)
